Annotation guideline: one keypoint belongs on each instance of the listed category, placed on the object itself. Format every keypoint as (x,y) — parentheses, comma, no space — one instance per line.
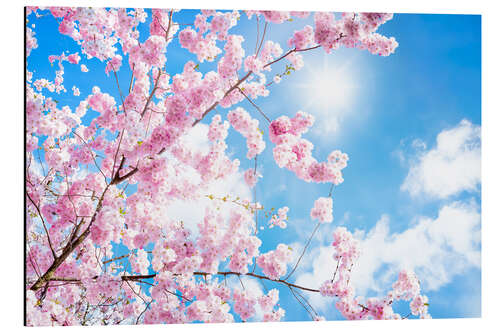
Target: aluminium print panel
(200,166)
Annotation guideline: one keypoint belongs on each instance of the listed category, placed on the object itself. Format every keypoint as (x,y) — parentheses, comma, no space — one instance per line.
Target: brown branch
(240,81)
(67,193)
(116,155)
(247,75)
(44,226)
(331,190)
(183,297)
(258,35)
(300,302)
(92,153)
(169,24)
(71,245)
(297,292)
(76,230)
(131,79)
(290,52)
(117,179)
(68,249)
(262,40)
(140,315)
(152,93)
(119,89)
(303,251)
(115,259)
(255,105)
(150,276)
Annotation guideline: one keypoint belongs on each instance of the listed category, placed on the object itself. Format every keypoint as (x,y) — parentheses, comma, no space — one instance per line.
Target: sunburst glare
(329,91)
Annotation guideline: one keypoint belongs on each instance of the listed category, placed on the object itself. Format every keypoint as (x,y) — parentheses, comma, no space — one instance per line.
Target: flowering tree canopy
(102,245)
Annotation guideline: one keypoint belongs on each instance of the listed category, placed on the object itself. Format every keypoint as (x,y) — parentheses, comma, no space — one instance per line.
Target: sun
(329,89)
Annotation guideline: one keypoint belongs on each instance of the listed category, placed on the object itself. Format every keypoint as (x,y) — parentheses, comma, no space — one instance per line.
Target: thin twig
(151,94)
(92,154)
(258,33)
(119,90)
(331,190)
(262,40)
(131,79)
(303,251)
(300,302)
(44,226)
(255,105)
(227,93)
(115,259)
(116,153)
(150,276)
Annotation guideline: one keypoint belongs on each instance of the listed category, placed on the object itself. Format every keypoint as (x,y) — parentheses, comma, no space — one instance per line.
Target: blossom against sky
(411,126)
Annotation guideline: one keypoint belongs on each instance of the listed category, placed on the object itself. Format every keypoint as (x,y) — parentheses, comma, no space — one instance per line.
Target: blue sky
(388,113)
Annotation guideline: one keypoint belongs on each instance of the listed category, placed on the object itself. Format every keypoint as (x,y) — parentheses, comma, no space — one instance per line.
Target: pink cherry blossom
(322,210)
(106,175)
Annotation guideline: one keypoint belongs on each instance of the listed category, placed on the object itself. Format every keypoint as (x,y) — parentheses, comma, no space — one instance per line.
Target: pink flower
(74,58)
(322,210)
(274,263)
(251,177)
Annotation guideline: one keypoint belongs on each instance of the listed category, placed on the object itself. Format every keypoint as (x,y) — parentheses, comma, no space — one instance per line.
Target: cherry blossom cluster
(352,30)
(407,287)
(249,128)
(31,41)
(57,86)
(95,182)
(322,210)
(203,41)
(295,153)
(251,177)
(217,129)
(276,16)
(280,218)
(274,262)
(269,52)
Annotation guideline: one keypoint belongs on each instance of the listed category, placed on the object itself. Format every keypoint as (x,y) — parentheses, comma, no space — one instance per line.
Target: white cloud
(453,166)
(196,139)
(321,268)
(192,212)
(436,249)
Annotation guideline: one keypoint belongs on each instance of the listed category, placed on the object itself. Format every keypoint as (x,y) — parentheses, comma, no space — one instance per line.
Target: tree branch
(255,105)
(227,93)
(152,93)
(44,226)
(236,85)
(150,276)
(303,251)
(68,249)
